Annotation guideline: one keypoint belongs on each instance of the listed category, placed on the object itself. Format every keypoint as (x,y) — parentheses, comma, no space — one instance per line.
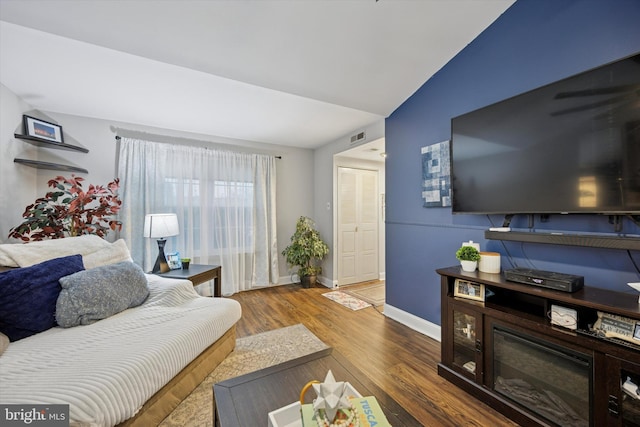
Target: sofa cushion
(28,296)
(95,294)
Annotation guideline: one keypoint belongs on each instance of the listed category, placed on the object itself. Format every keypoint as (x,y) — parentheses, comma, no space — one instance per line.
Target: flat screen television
(572,146)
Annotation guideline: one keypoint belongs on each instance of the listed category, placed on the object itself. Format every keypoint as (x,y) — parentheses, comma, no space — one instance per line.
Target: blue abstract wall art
(436,175)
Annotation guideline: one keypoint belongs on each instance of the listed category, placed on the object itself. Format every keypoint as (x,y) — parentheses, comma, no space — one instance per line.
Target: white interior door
(357,225)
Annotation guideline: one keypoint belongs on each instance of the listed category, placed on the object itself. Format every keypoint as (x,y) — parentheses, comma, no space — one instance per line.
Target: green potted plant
(306,251)
(469,257)
(68,210)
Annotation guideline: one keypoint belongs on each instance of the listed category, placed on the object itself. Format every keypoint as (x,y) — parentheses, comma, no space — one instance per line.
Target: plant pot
(469,266)
(308,281)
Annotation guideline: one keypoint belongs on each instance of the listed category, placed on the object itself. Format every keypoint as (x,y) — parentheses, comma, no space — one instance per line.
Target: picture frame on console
(469,290)
(40,129)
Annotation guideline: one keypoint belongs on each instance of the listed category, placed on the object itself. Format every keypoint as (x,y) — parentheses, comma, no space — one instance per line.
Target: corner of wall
(323,186)
(20,179)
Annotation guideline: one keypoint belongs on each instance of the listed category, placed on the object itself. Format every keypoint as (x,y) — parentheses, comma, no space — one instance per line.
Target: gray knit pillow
(95,294)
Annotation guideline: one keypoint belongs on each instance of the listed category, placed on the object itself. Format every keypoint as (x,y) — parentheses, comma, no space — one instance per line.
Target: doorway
(359,216)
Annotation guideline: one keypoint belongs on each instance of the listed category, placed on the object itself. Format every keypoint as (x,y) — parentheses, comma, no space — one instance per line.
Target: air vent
(358,138)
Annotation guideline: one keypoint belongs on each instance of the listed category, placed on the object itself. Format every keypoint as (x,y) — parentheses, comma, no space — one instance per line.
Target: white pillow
(114,253)
(28,254)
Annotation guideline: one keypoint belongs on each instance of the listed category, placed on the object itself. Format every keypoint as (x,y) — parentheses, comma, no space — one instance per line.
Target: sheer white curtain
(225,202)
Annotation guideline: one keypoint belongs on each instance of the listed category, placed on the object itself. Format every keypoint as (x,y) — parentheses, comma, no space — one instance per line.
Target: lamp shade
(157,226)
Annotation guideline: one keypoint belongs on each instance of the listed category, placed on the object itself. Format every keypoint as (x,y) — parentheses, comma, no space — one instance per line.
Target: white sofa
(132,367)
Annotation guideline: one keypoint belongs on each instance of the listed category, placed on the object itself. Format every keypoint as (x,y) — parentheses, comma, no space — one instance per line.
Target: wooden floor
(398,359)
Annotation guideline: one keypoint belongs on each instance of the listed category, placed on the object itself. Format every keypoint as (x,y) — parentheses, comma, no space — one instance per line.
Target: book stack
(367,408)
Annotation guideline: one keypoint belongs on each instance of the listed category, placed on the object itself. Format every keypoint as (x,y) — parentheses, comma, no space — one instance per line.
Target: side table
(197,274)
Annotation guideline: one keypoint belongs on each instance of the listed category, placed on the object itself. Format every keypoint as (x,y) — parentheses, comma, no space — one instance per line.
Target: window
(224,201)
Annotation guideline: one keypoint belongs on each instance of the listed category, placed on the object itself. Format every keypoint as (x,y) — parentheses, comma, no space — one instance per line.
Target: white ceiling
(291,72)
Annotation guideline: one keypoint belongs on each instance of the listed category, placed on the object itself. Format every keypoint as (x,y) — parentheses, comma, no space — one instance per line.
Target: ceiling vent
(359,137)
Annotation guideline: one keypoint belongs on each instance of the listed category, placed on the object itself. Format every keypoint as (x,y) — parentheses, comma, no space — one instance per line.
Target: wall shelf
(51,166)
(53,145)
(585,240)
(46,144)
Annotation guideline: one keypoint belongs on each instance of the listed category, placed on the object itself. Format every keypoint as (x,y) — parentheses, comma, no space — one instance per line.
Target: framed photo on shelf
(173,260)
(40,129)
(469,290)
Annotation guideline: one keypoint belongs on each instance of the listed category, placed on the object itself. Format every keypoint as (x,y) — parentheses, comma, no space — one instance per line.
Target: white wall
(294,170)
(17,182)
(323,192)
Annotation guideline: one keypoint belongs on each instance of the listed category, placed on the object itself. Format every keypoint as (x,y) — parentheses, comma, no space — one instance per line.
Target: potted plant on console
(469,257)
(306,251)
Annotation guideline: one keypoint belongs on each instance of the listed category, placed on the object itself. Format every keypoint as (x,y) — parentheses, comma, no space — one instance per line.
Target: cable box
(546,279)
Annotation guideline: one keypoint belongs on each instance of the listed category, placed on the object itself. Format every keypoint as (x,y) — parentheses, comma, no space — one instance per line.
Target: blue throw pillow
(28,296)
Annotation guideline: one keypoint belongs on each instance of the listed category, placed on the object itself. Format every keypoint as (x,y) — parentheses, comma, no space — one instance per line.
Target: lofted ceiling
(292,72)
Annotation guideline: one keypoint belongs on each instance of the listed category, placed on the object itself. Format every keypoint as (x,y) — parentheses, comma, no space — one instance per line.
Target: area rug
(373,294)
(251,354)
(346,300)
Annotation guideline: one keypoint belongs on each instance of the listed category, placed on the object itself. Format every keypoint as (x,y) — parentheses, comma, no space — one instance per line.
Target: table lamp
(159,226)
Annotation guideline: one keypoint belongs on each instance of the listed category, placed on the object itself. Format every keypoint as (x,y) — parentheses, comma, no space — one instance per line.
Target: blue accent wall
(535,42)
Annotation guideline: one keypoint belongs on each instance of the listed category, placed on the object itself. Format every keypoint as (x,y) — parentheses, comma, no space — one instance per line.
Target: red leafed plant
(67,210)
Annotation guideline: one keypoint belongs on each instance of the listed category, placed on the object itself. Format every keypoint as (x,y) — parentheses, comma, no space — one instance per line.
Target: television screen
(572,146)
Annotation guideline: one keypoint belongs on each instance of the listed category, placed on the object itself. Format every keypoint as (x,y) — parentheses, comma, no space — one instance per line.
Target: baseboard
(414,322)
(287,280)
(324,281)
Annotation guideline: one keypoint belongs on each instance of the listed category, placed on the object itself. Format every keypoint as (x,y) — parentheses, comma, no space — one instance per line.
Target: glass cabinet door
(624,392)
(467,341)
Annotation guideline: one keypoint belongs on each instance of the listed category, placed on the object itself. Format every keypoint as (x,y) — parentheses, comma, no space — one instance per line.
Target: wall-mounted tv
(572,146)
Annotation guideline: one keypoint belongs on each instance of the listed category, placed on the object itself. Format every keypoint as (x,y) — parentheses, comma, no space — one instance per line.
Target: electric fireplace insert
(553,382)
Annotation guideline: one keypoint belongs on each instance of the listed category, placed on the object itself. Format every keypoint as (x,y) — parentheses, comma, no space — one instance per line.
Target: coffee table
(246,401)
